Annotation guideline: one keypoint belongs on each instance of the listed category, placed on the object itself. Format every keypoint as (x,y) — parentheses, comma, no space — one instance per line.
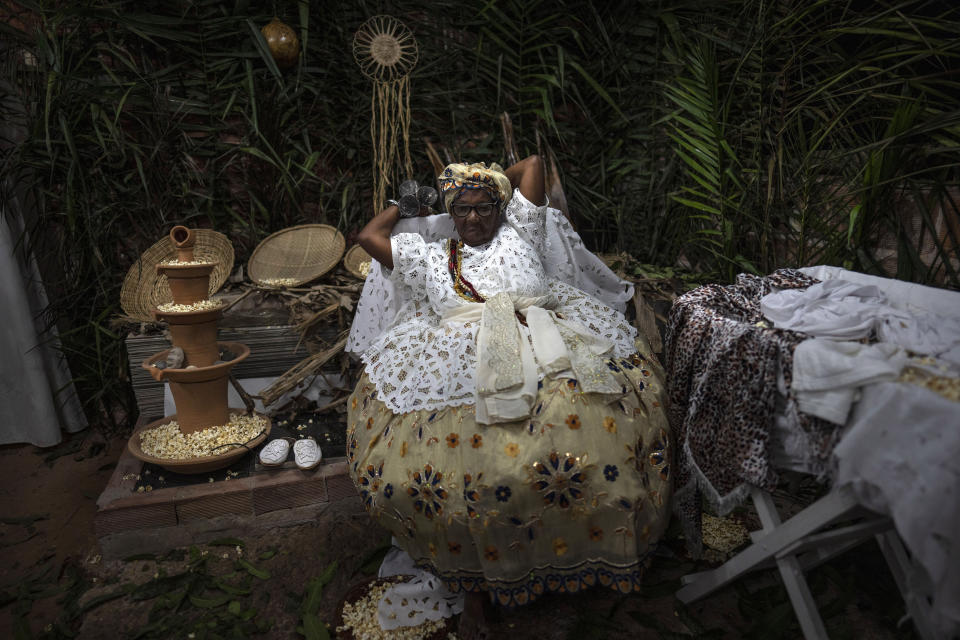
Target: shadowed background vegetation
(718,135)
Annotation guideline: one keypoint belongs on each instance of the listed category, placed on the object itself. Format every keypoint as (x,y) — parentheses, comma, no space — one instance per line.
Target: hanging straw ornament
(386,51)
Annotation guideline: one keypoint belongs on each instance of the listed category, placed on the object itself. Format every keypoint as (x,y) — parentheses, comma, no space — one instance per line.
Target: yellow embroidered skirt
(573,497)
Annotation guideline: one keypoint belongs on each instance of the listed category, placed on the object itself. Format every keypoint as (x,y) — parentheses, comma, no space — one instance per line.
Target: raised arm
(375,237)
(527,175)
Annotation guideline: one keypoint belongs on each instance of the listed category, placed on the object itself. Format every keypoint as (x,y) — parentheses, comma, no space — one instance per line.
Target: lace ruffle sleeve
(410,262)
(528,219)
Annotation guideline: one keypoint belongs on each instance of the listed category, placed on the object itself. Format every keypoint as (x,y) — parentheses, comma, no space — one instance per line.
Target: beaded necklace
(460,284)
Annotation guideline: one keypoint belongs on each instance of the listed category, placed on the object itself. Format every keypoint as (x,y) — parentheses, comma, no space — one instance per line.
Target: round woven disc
(385,49)
(296,255)
(143,289)
(357,261)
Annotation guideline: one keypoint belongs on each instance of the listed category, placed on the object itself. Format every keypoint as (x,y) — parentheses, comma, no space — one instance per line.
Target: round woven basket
(143,289)
(357,261)
(296,255)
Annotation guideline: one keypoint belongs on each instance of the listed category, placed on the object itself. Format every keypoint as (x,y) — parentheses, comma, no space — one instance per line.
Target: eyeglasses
(483,210)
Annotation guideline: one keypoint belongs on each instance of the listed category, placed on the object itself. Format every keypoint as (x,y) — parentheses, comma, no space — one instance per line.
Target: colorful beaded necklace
(460,284)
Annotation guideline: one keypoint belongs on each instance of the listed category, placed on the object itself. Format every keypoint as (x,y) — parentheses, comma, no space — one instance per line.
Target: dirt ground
(289,583)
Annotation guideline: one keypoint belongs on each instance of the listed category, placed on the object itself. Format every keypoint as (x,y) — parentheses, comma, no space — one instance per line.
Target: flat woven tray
(296,255)
(357,261)
(143,289)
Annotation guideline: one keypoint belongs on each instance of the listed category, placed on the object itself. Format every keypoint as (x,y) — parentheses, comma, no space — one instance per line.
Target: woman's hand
(527,175)
(375,237)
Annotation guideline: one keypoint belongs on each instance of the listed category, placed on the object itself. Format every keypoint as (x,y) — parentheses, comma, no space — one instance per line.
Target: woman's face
(473,228)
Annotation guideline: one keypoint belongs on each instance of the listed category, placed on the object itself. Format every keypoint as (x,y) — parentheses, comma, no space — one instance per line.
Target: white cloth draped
(901,456)
(828,374)
(851,307)
(37,396)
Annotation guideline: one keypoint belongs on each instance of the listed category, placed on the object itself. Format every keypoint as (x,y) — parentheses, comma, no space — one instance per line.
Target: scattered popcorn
(239,552)
(947,387)
(178,263)
(279,282)
(200,305)
(723,534)
(167,441)
(360,619)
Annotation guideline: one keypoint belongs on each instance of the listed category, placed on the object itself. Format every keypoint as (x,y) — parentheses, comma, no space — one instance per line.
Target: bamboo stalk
(297,373)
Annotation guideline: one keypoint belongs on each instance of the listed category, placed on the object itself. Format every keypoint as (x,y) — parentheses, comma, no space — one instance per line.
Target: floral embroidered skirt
(574,497)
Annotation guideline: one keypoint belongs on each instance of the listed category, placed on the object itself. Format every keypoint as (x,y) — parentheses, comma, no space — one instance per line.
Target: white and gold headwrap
(459,176)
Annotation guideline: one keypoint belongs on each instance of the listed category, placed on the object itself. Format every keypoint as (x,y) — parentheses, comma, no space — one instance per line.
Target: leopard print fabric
(722,371)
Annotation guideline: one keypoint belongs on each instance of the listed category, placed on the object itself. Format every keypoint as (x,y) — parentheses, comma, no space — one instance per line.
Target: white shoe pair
(306,453)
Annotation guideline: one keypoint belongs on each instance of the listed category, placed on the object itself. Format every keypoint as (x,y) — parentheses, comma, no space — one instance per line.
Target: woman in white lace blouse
(508,428)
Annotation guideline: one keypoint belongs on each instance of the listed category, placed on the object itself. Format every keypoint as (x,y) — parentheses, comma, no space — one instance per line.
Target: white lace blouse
(421,362)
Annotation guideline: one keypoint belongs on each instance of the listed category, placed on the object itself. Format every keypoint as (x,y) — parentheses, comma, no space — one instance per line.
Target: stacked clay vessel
(199,383)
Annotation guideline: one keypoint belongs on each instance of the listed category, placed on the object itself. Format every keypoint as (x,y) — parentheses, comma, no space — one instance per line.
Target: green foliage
(818,133)
(723,136)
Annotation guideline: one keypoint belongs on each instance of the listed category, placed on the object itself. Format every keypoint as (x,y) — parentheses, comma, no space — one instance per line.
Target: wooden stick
(646,321)
(434,157)
(335,403)
(303,326)
(298,372)
(248,401)
(243,295)
(509,142)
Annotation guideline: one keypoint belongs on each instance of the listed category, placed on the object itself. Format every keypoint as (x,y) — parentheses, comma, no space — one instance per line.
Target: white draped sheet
(37,396)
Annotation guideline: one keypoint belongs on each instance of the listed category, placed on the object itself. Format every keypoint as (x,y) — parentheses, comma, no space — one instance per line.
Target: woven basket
(143,289)
(357,261)
(296,255)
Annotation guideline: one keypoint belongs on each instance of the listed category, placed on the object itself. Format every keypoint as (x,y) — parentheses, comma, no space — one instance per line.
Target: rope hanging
(386,52)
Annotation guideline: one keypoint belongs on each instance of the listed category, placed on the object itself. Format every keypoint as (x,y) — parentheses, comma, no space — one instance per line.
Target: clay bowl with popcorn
(163,443)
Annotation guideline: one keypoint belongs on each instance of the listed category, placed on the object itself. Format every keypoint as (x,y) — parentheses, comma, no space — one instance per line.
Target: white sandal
(307,453)
(275,452)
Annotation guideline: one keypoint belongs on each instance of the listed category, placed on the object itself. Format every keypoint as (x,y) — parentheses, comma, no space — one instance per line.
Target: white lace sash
(509,367)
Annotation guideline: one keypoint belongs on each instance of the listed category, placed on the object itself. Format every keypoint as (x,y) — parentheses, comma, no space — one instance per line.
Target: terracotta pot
(195,332)
(201,404)
(183,239)
(200,374)
(188,283)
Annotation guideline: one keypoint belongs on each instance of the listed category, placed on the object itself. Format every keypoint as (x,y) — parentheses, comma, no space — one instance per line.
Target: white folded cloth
(843,310)
(827,374)
(832,309)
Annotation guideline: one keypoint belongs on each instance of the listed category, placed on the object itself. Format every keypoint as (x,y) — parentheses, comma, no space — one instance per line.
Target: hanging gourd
(283,43)
(386,51)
